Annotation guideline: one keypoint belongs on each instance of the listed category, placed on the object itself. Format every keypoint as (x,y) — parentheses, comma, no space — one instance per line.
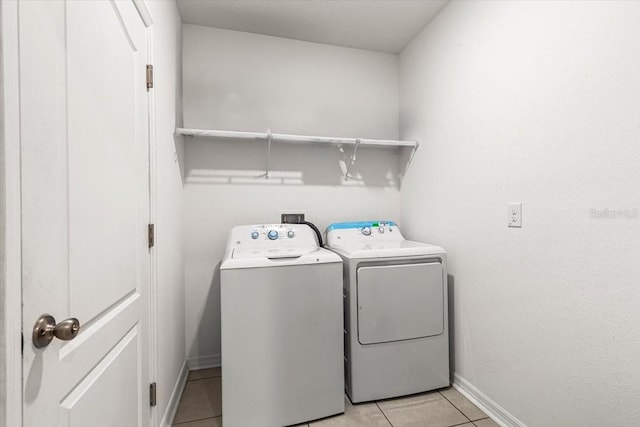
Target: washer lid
(272,253)
(278,257)
(402,248)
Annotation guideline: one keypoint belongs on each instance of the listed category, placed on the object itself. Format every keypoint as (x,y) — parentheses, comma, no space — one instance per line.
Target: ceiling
(379,25)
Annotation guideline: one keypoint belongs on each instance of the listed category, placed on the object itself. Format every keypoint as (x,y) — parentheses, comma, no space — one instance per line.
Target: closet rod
(306,139)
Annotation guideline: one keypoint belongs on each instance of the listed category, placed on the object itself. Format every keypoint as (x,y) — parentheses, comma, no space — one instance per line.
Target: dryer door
(400,302)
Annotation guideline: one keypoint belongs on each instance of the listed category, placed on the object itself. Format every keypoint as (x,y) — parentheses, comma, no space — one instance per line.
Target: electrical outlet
(291,218)
(514,215)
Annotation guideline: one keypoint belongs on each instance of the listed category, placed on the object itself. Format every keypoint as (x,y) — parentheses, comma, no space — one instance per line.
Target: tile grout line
(451,403)
(383,414)
(205,378)
(196,420)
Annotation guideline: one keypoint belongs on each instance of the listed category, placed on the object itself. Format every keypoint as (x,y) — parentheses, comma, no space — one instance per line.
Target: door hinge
(151,235)
(149,76)
(152,394)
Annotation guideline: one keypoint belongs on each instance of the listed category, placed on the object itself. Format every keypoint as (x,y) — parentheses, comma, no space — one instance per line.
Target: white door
(85,203)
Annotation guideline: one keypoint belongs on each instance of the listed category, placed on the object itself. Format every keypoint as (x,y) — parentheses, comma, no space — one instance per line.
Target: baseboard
(174,399)
(203,362)
(484,402)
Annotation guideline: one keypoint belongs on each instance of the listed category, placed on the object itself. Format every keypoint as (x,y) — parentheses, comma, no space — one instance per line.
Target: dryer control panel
(362,231)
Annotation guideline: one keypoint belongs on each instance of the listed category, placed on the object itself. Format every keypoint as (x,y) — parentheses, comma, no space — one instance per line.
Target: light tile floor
(201,406)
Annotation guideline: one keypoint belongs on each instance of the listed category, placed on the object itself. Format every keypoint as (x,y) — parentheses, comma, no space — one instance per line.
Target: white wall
(241,81)
(167,92)
(536,102)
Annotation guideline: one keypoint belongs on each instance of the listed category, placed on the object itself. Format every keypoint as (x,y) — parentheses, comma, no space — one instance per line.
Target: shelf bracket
(352,160)
(269,138)
(406,166)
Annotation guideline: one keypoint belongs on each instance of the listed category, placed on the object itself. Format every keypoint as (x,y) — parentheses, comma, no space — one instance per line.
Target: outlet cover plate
(514,215)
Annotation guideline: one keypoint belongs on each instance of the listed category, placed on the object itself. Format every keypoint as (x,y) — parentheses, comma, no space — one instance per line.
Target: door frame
(11,340)
(152,312)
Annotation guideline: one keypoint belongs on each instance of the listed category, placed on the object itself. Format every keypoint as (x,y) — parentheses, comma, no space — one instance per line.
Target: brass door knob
(46,328)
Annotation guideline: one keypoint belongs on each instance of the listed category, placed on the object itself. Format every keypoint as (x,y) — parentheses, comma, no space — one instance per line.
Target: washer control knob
(272,234)
(291,234)
(255,235)
(366,231)
(381,229)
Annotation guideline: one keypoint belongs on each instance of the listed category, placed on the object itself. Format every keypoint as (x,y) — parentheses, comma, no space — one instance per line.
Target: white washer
(396,327)
(282,327)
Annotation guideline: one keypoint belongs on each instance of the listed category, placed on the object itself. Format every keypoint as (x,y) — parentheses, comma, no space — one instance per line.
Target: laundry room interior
(494,144)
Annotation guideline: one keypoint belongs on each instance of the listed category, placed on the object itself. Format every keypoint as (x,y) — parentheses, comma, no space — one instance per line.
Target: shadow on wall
(245,162)
(211,305)
(452,330)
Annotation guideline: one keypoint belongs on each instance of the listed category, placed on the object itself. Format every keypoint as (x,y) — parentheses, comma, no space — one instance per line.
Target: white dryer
(281,320)
(395,311)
